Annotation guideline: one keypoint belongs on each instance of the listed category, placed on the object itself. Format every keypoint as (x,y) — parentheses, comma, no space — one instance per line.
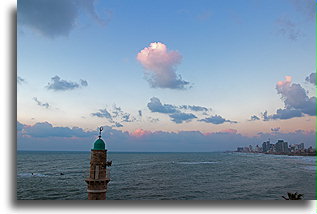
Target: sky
(165,75)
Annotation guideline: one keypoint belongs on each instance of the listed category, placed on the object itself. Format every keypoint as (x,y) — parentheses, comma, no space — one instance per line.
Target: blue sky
(225,56)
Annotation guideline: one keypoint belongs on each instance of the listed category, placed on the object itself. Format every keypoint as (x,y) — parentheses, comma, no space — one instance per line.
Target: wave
(26,175)
(198,162)
(310,168)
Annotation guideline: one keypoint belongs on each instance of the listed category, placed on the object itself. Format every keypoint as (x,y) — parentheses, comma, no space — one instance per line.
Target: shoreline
(290,154)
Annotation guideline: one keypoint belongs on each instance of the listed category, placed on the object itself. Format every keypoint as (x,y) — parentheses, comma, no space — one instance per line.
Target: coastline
(288,154)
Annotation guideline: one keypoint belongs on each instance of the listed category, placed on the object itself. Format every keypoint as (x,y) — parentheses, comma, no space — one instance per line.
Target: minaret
(99,177)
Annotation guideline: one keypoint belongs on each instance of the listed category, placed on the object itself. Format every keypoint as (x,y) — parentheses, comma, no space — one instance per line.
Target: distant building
(272,148)
(240,149)
(266,146)
(257,148)
(250,148)
(311,150)
(301,146)
(281,146)
(246,149)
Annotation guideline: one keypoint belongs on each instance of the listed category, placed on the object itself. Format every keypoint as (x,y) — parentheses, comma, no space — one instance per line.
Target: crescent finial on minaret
(100,130)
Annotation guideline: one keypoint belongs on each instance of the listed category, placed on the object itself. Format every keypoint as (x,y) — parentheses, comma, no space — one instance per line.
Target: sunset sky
(166,75)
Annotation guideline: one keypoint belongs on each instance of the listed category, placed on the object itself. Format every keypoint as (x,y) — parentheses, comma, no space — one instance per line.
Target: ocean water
(167,176)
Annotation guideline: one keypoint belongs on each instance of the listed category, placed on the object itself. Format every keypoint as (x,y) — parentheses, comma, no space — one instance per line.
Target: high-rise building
(266,146)
(281,146)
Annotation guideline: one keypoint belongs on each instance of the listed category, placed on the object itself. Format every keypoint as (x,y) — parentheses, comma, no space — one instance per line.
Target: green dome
(99,145)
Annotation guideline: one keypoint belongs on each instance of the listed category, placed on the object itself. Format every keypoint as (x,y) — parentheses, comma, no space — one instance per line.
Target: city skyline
(169,76)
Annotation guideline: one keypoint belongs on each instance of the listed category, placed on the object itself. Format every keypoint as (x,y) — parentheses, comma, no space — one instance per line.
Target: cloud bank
(55,18)
(160,64)
(44,136)
(45,129)
(57,84)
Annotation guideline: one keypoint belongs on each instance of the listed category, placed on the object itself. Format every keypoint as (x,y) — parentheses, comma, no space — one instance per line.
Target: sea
(167,176)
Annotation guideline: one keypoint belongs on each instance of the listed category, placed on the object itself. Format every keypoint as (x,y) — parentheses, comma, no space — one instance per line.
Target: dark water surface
(174,176)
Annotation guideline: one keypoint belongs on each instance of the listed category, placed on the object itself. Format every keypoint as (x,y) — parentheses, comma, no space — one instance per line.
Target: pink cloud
(286,82)
(160,64)
(140,133)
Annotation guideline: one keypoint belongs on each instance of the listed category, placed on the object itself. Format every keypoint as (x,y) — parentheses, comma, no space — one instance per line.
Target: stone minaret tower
(99,177)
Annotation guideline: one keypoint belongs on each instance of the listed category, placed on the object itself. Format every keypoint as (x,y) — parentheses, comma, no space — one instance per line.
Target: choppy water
(176,176)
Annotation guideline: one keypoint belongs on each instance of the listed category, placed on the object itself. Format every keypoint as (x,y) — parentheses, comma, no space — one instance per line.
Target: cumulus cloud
(176,113)
(282,114)
(39,103)
(277,129)
(155,105)
(296,101)
(58,84)
(295,97)
(20,80)
(55,18)
(311,78)
(160,64)
(254,117)
(103,113)
(115,115)
(194,108)
(182,117)
(216,119)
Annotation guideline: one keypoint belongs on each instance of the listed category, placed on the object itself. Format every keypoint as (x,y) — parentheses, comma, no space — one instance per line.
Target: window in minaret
(96,171)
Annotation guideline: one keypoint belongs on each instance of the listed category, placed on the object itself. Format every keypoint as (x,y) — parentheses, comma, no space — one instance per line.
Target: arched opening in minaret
(96,171)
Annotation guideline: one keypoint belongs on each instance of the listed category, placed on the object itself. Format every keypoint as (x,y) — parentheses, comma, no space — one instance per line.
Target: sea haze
(167,176)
